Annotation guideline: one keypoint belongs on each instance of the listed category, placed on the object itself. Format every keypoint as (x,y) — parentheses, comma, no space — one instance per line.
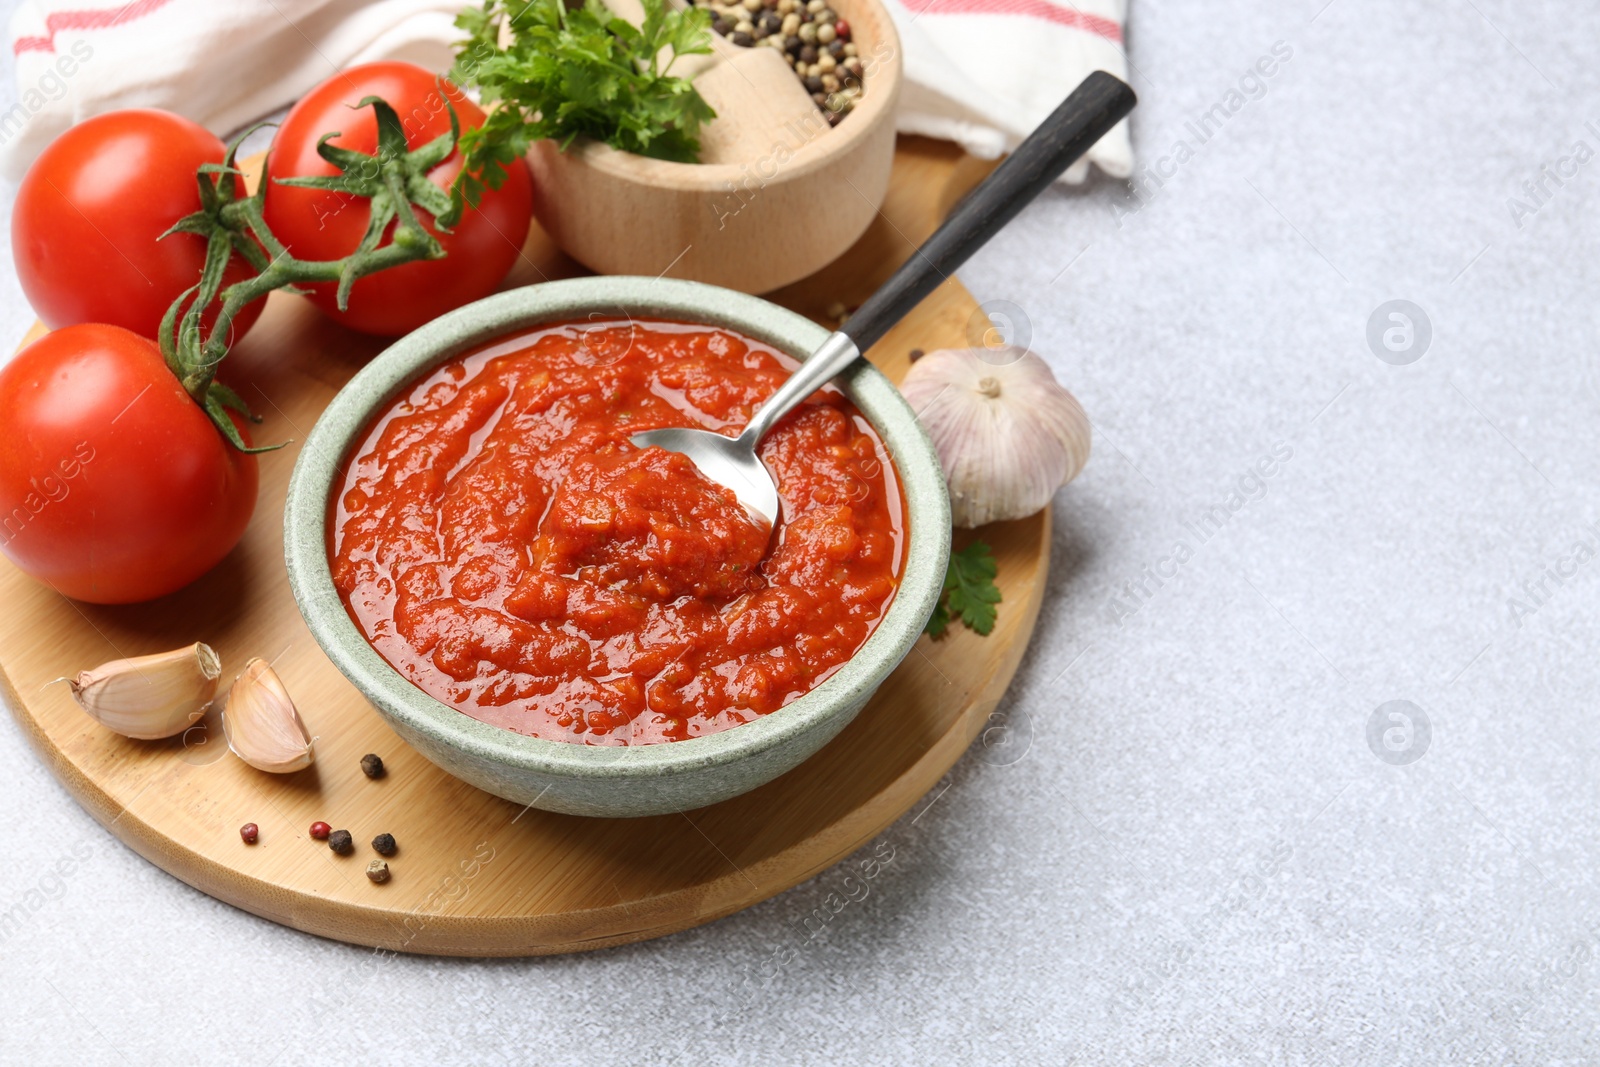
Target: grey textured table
(1208,839)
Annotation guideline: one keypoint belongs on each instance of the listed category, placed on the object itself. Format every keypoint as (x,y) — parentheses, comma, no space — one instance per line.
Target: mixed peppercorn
(810,36)
(342,842)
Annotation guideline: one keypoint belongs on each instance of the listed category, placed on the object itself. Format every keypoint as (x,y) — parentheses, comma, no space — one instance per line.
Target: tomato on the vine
(88,214)
(318,224)
(114,485)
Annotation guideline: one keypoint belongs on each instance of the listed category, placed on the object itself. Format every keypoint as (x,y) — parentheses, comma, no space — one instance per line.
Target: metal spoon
(1095,106)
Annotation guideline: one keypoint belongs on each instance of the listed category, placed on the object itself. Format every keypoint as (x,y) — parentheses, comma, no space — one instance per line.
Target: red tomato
(114,486)
(88,214)
(320,225)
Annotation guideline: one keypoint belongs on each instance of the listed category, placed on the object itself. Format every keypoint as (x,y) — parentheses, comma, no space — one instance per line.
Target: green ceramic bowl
(610,780)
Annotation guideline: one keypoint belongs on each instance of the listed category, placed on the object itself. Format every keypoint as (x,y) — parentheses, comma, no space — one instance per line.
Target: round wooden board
(476,875)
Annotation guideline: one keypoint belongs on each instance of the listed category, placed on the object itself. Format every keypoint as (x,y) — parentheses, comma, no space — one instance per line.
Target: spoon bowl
(725,460)
(732,461)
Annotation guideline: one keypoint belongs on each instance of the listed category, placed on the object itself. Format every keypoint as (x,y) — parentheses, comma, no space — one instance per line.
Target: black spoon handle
(1095,106)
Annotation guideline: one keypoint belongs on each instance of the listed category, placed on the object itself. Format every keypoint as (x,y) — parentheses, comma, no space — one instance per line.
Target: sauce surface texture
(499,540)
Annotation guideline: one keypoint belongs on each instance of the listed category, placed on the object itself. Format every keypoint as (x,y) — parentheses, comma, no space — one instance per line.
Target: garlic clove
(150,697)
(1008,435)
(261,723)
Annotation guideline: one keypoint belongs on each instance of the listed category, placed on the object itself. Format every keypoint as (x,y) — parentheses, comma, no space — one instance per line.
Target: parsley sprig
(575,73)
(969,592)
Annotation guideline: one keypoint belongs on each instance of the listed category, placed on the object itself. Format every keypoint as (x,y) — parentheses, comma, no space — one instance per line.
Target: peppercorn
(341,842)
(916,354)
(378,871)
(320,831)
(384,844)
(810,35)
(250,832)
(372,765)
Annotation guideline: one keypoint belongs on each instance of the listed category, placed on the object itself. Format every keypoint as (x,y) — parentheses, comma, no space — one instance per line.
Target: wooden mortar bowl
(750,226)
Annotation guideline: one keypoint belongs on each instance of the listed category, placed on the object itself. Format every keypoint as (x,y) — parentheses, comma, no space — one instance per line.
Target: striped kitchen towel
(979,72)
(223,63)
(984,73)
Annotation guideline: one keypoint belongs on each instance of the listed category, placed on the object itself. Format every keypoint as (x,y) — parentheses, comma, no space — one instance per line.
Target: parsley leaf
(576,73)
(969,592)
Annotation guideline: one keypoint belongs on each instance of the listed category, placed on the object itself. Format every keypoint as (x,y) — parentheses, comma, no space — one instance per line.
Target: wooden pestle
(759,102)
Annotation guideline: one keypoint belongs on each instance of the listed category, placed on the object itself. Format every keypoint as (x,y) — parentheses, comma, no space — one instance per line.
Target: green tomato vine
(394,180)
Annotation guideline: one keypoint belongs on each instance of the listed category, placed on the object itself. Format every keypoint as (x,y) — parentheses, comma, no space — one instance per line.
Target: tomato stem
(392,180)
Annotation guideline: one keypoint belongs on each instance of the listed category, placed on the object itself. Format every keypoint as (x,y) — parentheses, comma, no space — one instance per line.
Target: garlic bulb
(1008,435)
(150,697)
(261,723)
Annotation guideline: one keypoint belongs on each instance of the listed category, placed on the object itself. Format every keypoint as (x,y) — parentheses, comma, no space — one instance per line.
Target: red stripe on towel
(100,19)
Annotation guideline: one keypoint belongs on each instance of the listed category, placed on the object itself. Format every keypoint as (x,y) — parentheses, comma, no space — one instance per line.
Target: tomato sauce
(501,542)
